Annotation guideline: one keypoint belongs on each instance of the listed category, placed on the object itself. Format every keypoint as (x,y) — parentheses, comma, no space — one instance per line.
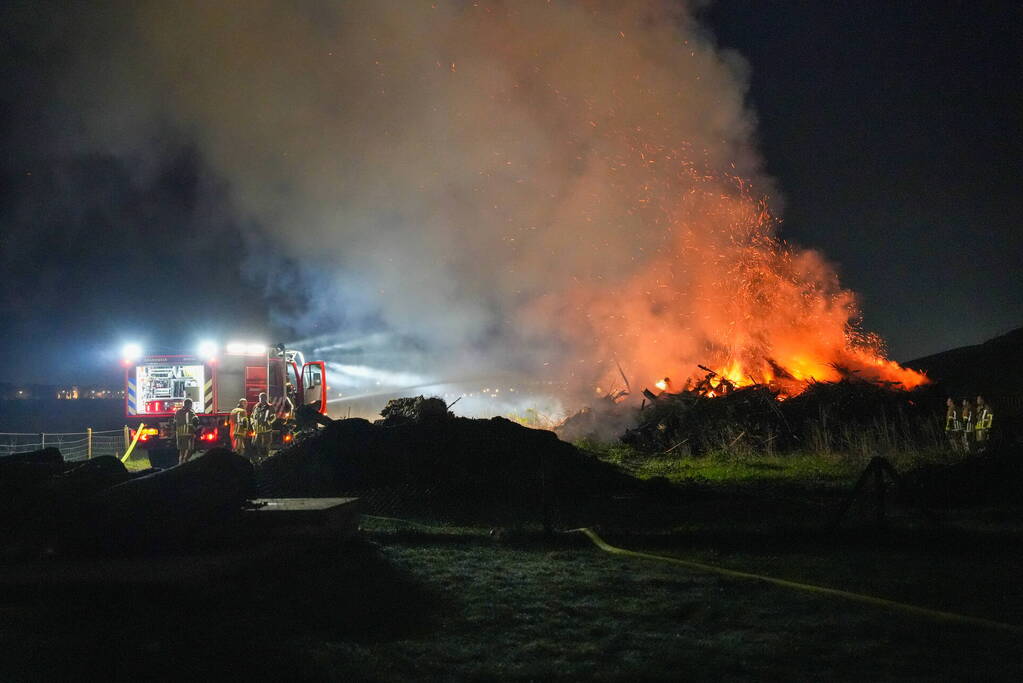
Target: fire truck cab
(215,379)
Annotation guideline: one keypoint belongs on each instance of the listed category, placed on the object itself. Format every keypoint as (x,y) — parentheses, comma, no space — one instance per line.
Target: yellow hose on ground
(795,585)
(138,433)
(809,588)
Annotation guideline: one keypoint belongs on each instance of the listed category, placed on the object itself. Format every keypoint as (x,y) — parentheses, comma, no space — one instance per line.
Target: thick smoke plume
(542,188)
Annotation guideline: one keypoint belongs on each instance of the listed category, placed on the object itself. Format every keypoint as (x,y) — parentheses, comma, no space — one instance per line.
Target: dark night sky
(893,129)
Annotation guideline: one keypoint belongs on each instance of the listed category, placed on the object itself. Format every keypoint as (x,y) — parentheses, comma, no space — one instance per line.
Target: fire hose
(127,453)
(806,587)
(916,610)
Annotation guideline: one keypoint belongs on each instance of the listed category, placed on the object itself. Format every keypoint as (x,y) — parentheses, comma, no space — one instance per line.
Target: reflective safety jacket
(952,421)
(284,408)
(262,415)
(239,421)
(967,418)
(984,419)
(184,422)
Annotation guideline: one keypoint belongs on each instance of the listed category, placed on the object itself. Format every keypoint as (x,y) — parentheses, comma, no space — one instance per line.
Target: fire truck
(215,379)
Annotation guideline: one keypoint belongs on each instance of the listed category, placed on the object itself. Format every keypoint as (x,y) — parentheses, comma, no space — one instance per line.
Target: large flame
(724,294)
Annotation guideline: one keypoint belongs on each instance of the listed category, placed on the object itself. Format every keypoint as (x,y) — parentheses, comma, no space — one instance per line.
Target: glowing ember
(725,292)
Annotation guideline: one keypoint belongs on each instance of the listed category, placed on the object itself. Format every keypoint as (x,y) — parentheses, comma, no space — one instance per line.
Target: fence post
(88,443)
(42,439)
(125,437)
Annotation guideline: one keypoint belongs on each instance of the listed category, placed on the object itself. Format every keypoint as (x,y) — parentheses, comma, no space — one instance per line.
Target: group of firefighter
(251,433)
(968,426)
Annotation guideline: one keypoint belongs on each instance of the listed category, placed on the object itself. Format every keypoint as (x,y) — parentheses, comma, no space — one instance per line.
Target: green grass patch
(726,467)
(137,461)
(427,602)
(738,467)
(575,612)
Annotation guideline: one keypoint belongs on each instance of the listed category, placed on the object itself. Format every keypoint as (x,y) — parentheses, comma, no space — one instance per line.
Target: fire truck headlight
(131,352)
(207,349)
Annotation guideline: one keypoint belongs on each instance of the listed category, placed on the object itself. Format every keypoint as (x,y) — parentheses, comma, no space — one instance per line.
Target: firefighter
(966,423)
(288,405)
(983,419)
(263,416)
(239,423)
(286,411)
(185,424)
(952,427)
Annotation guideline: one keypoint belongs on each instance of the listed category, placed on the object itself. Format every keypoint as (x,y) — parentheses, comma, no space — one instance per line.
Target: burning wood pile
(715,414)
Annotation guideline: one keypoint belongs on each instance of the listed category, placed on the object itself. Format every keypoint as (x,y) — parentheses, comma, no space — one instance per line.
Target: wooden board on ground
(322,517)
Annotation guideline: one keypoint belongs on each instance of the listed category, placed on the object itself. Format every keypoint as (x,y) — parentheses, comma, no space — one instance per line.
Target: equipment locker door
(255,382)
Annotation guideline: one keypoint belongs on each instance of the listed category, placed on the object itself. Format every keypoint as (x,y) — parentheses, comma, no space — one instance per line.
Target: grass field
(397,606)
(809,470)
(414,601)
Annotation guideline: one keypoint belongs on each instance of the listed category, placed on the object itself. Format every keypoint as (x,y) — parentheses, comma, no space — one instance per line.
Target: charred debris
(714,414)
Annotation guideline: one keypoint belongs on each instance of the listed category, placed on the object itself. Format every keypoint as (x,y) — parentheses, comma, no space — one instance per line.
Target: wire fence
(72,445)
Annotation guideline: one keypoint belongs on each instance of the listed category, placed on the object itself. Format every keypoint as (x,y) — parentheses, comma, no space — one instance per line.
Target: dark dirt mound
(41,494)
(176,503)
(454,467)
(55,507)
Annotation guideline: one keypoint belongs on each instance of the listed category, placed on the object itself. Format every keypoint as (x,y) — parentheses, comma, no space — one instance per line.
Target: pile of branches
(414,409)
(691,422)
(825,415)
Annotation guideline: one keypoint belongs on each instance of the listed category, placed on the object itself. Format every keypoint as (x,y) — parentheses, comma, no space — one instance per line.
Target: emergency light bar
(246,349)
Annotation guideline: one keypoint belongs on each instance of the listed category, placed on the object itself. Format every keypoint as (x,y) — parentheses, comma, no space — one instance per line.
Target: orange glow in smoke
(724,292)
